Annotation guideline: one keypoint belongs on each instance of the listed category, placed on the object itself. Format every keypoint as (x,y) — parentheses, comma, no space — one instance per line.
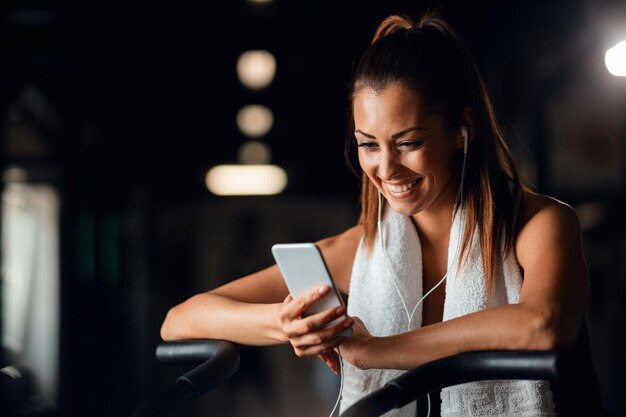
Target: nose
(388,165)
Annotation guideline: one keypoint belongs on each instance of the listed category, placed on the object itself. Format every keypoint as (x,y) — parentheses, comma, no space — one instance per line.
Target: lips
(401,188)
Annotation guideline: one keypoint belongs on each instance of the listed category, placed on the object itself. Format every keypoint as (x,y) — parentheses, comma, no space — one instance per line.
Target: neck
(434,223)
(434,227)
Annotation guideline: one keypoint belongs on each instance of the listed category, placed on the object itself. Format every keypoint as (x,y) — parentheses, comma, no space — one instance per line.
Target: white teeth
(400,188)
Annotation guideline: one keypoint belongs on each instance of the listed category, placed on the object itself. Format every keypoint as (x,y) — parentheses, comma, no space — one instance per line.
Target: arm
(549,313)
(243,311)
(254,309)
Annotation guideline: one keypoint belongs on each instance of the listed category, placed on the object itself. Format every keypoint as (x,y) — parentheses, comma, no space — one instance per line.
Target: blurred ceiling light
(256,69)
(246,180)
(260,1)
(615,59)
(255,120)
(254,152)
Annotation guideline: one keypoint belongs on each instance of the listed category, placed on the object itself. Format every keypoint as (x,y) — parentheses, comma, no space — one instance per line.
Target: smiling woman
(407,152)
(442,200)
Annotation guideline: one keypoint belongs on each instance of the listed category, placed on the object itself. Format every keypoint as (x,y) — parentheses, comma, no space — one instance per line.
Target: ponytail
(393,24)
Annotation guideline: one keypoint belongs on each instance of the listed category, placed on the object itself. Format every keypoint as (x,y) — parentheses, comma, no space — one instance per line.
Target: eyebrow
(394,136)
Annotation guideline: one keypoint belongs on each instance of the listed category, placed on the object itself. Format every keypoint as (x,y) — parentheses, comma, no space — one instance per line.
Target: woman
(441,201)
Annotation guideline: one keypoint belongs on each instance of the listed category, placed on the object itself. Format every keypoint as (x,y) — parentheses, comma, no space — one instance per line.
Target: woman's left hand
(355,348)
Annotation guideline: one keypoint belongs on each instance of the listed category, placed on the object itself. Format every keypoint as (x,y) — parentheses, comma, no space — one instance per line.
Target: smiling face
(406,151)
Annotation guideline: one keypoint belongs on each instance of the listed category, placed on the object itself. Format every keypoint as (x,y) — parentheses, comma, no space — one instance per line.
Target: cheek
(365,163)
(431,161)
(418,162)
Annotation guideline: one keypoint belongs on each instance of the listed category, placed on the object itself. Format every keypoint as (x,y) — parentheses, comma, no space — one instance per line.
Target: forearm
(506,327)
(213,316)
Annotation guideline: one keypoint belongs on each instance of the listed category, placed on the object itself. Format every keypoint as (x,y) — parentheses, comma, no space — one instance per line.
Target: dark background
(139,101)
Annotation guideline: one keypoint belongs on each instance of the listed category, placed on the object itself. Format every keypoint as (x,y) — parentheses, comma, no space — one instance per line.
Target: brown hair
(428,57)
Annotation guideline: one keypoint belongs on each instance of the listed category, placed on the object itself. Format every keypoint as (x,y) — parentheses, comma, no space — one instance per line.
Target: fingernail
(348,322)
(341,310)
(323,289)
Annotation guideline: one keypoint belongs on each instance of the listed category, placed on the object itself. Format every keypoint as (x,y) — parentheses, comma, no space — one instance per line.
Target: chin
(403,209)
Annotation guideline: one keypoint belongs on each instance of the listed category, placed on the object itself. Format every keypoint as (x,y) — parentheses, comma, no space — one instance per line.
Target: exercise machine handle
(219,361)
(454,370)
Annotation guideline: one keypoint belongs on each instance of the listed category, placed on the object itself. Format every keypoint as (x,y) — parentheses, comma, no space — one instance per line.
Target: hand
(331,359)
(355,348)
(309,335)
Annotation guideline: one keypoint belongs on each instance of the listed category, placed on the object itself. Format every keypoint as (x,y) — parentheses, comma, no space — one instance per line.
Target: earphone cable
(410,315)
(458,202)
(382,244)
(340,383)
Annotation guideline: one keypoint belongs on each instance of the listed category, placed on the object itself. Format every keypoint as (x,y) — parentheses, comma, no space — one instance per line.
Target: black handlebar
(192,352)
(221,360)
(454,370)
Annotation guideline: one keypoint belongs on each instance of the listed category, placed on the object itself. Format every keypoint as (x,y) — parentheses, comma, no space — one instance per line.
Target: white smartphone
(303,268)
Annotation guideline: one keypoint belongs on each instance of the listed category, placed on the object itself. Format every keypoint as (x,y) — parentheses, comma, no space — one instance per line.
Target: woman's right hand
(309,335)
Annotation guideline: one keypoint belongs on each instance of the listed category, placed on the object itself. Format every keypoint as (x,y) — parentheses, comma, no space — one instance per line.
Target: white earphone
(464,135)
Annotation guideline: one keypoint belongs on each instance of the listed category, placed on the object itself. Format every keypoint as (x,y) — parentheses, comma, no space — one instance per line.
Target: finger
(330,361)
(293,309)
(314,350)
(333,361)
(358,320)
(321,336)
(303,302)
(324,357)
(318,321)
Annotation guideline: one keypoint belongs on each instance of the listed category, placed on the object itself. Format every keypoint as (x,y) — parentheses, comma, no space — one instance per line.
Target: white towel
(373,298)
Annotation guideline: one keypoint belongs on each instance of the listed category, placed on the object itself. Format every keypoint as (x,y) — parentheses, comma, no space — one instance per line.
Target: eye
(368,146)
(411,144)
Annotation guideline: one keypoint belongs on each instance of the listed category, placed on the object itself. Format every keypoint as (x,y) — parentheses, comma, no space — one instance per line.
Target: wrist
(363,353)
(275,328)
(370,354)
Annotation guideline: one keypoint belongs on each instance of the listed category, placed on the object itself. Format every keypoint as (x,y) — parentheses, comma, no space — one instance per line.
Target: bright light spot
(254,153)
(615,59)
(255,120)
(246,179)
(12,372)
(256,69)
(260,1)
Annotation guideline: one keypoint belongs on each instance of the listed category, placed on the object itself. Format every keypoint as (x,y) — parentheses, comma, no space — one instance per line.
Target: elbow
(168,327)
(548,332)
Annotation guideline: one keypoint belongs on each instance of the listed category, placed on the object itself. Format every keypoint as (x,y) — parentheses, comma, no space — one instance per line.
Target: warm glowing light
(255,120)
(246,180)
(256,69)
(254,152)
(615,59)
(260,1)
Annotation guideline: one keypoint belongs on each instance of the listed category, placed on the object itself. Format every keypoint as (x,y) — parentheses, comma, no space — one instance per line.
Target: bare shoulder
(547,222)
(339,252)
(541,211)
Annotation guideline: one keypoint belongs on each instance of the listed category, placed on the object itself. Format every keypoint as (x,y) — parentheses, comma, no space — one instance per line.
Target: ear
(467,122)
(467,127)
